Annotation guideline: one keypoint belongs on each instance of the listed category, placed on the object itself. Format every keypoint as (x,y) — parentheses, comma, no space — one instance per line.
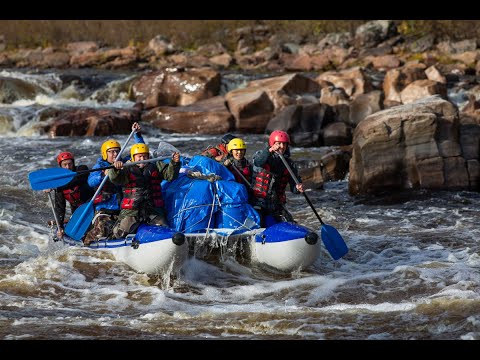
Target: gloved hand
(200,176)
(194,174)
(228,162)
(212,178)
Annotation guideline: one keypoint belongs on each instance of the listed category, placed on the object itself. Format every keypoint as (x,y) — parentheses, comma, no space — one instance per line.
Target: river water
(412,272)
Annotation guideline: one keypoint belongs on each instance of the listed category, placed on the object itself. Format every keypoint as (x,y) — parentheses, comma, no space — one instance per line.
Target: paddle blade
(165,149)
(80,221)
(50,178)
(333,242)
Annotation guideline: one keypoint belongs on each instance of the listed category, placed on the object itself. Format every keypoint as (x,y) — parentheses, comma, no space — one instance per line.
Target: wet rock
(422,88)
(364,105)
(209,116)
(336,134)
(92,122)
(353,80)
(251,108)
(13,89)
(176,86)
(409,147)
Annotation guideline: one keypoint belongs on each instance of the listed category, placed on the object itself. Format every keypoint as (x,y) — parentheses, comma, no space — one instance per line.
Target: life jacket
(78,190)
(73,196)
(244,170)
(213,152)
(144,185)
(108,190)
(268,185)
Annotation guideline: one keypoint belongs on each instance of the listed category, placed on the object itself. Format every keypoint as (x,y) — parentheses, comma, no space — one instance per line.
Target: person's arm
(296,189)
(118,176)
(260,158)
(228,162)
(222,153)
(210,152)
(137,135)
(95,177)
(138,138)
(170,172)
(60,206)
(86,192)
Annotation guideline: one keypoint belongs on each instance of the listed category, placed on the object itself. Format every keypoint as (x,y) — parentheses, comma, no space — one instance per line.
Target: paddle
(54,214)
(56,177)
(331,238)
(165,149)
(83,216)
(242,176)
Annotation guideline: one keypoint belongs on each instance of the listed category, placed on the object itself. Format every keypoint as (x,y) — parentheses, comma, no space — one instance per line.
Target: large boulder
(251,108)
(411,146)
(303,123)
(353,81)
(176,87)
(92,122)
(398,79)
(209,116)
(286,89)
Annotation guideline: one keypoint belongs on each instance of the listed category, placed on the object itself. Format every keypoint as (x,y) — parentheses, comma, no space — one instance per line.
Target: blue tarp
(190,202)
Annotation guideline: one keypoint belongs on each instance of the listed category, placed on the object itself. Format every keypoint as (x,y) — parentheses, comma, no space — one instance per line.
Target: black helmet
(227,137)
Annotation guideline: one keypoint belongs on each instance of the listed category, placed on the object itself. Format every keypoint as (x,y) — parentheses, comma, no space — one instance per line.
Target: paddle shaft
(79,226)
(57,177)
(298,182)
(53,209)
(241,175)
(116,159)
(124,165)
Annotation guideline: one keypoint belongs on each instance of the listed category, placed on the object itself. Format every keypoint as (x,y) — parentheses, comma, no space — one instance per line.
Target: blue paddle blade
(50,178)
(80,221)
(333,242)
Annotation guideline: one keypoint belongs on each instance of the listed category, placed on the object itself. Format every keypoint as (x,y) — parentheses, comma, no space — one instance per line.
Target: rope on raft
(212,212)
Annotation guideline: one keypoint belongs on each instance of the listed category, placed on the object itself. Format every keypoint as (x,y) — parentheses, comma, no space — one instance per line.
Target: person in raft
(271,178)
(142,192)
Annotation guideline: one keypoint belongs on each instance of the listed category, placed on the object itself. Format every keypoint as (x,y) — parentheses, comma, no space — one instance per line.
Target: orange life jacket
(213,152)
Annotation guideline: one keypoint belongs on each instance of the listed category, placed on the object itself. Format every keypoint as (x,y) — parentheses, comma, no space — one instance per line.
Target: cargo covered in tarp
(196,205)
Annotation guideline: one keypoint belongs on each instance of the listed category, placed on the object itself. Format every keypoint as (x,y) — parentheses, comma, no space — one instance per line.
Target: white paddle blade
(165,149)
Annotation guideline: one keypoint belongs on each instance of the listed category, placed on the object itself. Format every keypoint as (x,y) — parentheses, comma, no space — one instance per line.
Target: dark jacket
(245,168)
(263,159)
(81,191)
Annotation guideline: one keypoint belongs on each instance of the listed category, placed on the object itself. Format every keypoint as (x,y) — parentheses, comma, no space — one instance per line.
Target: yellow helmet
(237,144)
(109,144)
(139,149)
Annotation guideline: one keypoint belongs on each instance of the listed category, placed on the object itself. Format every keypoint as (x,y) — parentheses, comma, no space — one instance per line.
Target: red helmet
(278,135)
(64,156)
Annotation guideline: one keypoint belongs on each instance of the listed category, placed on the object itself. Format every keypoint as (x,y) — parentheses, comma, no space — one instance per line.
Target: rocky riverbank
(399,114)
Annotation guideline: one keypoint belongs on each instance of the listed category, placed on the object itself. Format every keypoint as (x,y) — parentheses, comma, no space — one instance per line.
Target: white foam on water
(49,83)
(364,307)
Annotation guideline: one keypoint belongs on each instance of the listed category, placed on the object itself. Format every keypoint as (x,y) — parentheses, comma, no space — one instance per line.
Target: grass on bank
(189,34)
